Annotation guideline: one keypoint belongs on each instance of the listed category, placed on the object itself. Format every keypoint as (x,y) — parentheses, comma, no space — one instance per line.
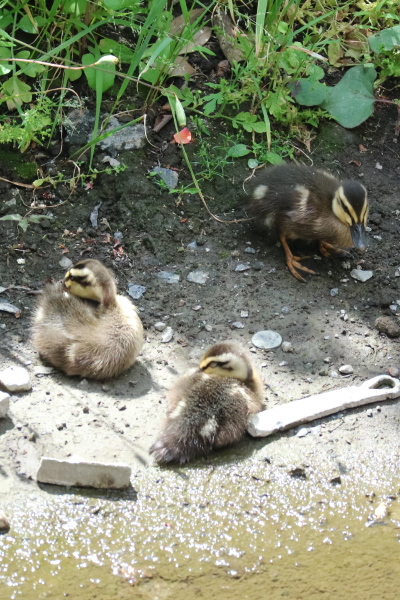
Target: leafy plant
(24,222)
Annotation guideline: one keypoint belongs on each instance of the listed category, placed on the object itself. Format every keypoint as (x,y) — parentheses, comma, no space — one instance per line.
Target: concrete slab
(83,474)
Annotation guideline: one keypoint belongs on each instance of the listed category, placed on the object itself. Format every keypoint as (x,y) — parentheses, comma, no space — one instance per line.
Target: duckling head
(227,360)
(350,206)
(91,280)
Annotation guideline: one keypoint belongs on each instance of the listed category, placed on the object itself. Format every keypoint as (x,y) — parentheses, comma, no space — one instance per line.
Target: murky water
(220,531)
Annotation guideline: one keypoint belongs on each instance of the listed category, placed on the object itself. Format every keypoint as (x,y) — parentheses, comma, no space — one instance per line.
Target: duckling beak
(359,236)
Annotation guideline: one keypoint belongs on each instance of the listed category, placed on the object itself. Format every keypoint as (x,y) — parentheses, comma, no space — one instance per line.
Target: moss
(16,163)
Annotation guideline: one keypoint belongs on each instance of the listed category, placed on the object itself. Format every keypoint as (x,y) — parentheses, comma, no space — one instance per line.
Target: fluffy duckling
(310,204)
(209,408)
(83,327)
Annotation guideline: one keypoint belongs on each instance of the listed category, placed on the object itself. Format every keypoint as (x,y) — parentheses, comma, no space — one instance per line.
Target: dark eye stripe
(81,279)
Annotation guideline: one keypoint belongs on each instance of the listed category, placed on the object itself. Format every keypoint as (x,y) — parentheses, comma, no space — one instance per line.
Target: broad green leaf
(11,218)
(120,4)
(273,158)
(4,53)
(252,163)
(30,69)
(238,150)
(307,92)
(94,75)
(17,92)
(387,39)
(123,53)
(5,20)
(23,224)
(26,24)
(75,7)
(351,101)
(73,74)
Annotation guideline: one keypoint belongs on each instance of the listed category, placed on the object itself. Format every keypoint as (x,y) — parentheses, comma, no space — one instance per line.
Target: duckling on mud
(209,408)
(310,204)
(83,327)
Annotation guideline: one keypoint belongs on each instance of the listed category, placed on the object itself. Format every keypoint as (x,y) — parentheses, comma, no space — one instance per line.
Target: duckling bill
(209,408)
(83,327)
(310,204)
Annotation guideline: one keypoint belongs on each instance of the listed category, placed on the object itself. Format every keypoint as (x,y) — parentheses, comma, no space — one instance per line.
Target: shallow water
(243,530)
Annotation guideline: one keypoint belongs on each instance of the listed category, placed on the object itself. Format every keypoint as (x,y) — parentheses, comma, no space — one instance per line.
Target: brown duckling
(310,204)
(209,408)
(83,327)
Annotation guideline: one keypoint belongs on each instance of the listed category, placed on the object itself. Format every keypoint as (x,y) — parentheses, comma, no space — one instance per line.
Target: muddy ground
(118,420)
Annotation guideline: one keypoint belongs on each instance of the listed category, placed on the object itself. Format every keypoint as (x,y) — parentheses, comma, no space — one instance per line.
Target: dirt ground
(118,420)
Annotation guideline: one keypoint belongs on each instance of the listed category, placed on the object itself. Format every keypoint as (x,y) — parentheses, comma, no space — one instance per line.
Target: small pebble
(84,383)
(250,250)
(285,310)
(388,326)
(192,245)
(208,327)
(197,277)
(394,371)
(334,374)
(303,432)
(15,379)
(242,267)
(346,370)
(283,363)
(40,370)
(168,277)
(287,347)
(167,335)
(334,291)
(65,262)
(160,326)
(327,359)
(136,291)
(266,340)
(235,253)
(237,325)
(244,314)
(370,413)
(362,276)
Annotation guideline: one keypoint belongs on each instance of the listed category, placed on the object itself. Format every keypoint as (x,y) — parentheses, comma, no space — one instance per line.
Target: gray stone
(160,326)
(334,291)
(65,262)
(388,326)
(237,325)
(168,277)
(83,474)
(167,335)
(197,277)
(303,432)
(136,291)
(129,138)
(15,379)
(242,267)
(362,276)
(169,177)
(266,340)
(346,370)
(4,404)
(287,347)
(250,250)
(244,314)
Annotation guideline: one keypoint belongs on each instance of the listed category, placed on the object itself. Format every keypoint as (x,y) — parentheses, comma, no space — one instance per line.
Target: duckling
(83,327)
(310,204)
(209,408)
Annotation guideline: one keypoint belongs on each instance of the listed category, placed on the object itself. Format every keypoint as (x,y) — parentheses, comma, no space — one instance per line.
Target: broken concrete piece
(314,407)
(15,379)
(4,404)
(83,474)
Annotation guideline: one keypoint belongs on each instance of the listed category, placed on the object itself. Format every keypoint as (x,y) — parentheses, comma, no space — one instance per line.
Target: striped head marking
(91,280)
(225,360)
(350,206)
